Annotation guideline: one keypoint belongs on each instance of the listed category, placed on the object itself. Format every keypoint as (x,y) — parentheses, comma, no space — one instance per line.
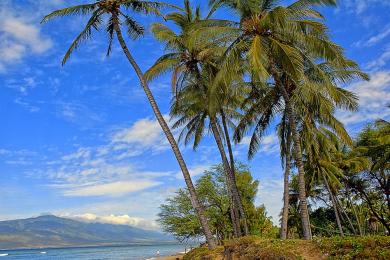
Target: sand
(173,257)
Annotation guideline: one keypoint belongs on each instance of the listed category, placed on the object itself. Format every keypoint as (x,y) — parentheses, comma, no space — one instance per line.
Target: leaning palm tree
(192,61)
(117,13)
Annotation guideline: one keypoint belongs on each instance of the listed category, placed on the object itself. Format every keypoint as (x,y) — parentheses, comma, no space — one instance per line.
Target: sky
(81,140)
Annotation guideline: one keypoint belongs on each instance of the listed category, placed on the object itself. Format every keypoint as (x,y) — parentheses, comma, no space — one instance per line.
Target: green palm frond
(164,64)
(85,34)
(147,7)
(134,29)
(73,10)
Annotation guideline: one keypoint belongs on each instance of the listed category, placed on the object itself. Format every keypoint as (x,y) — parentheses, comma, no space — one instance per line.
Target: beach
(173,257)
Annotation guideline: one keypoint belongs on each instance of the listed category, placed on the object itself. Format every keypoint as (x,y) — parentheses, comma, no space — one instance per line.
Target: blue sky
(81,140)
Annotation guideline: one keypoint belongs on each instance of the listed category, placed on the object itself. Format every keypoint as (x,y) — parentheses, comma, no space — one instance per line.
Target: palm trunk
(232,165)
(187,177)
(340,208)
(231,181)
(234,216)
(286,195)
(299,161)
(336,212)
(297,152)
(354,211)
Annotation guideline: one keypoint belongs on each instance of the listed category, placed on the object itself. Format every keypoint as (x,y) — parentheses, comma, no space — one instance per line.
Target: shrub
(369,247)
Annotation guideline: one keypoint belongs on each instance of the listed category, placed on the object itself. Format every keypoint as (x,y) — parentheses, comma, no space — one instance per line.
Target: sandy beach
(173,257)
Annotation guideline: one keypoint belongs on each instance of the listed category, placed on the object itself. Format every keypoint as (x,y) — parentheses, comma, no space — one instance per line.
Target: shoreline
(172,257)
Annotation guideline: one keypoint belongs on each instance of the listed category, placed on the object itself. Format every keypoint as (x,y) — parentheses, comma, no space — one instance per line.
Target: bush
(369,247)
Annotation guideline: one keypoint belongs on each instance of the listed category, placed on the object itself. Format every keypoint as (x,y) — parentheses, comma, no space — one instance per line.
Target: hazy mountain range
(52,231)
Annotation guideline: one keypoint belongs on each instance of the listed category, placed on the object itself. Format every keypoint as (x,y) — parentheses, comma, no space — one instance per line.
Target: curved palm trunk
(354,211)
(286,195)
(232,166)
(299,161)
(340,208)
(187,177)
(336,212)
(231,181)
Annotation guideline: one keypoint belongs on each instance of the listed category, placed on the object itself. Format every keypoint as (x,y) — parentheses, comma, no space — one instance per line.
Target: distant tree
(373,184)
(178,218)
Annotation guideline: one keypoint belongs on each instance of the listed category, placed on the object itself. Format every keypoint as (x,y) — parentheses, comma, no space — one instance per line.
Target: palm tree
(277,43)
(116,10)
(188,60)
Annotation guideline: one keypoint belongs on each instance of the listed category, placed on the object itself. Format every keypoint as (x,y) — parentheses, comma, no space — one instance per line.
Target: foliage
(372,185)
(177,216)
(369,247)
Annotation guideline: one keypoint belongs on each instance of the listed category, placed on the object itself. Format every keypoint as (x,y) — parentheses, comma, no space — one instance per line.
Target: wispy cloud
(269,143)
(374,99)
(194,171)
(380,62)
(270,194)
(374,39)
(105,170)
(360,6)
(117,188)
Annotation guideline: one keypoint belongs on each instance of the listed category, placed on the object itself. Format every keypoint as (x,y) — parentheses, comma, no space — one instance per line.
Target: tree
(373,184)
(192,61)
(177,217)
(274,41)
(117,12)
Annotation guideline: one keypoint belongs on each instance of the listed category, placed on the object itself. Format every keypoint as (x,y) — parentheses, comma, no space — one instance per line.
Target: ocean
(132,252)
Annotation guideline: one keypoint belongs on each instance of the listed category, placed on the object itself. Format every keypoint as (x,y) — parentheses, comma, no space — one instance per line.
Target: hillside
(52,231)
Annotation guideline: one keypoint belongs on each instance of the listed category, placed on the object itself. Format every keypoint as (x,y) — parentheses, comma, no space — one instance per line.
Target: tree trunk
(187,177)
(286,195)
(232,165)
(299,161)
(354,211)
(230,179)
(336,212)
(340,208)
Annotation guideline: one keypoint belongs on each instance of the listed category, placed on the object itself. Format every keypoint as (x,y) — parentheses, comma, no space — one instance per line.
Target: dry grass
(254,248)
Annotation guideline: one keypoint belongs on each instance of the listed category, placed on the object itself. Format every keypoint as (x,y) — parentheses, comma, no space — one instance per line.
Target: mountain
(52,231)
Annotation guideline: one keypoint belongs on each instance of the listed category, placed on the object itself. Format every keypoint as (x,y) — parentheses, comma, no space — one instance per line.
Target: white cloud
(380,62)
(105,170)
(374,97)
(269,144)
(111,189)
(194,171)
(373,40)
(19,38)
(271,194)
(31,108)
(379,37)
(145,134)
(118,220)
(360,6)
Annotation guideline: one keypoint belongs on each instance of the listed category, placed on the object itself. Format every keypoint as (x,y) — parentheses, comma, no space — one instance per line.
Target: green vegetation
(370,247)
(177,216)
(270,64)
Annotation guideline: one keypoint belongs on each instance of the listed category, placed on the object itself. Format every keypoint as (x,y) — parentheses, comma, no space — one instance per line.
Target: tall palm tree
(276,43)
(188,60)
(117,13)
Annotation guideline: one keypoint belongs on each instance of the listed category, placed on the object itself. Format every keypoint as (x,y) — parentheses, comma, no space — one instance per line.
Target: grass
(371,247)
(368,247)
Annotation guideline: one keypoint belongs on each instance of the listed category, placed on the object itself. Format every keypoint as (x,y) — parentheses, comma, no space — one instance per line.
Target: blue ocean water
(132,252)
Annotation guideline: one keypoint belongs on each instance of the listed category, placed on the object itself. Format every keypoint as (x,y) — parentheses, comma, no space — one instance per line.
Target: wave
(3,254)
